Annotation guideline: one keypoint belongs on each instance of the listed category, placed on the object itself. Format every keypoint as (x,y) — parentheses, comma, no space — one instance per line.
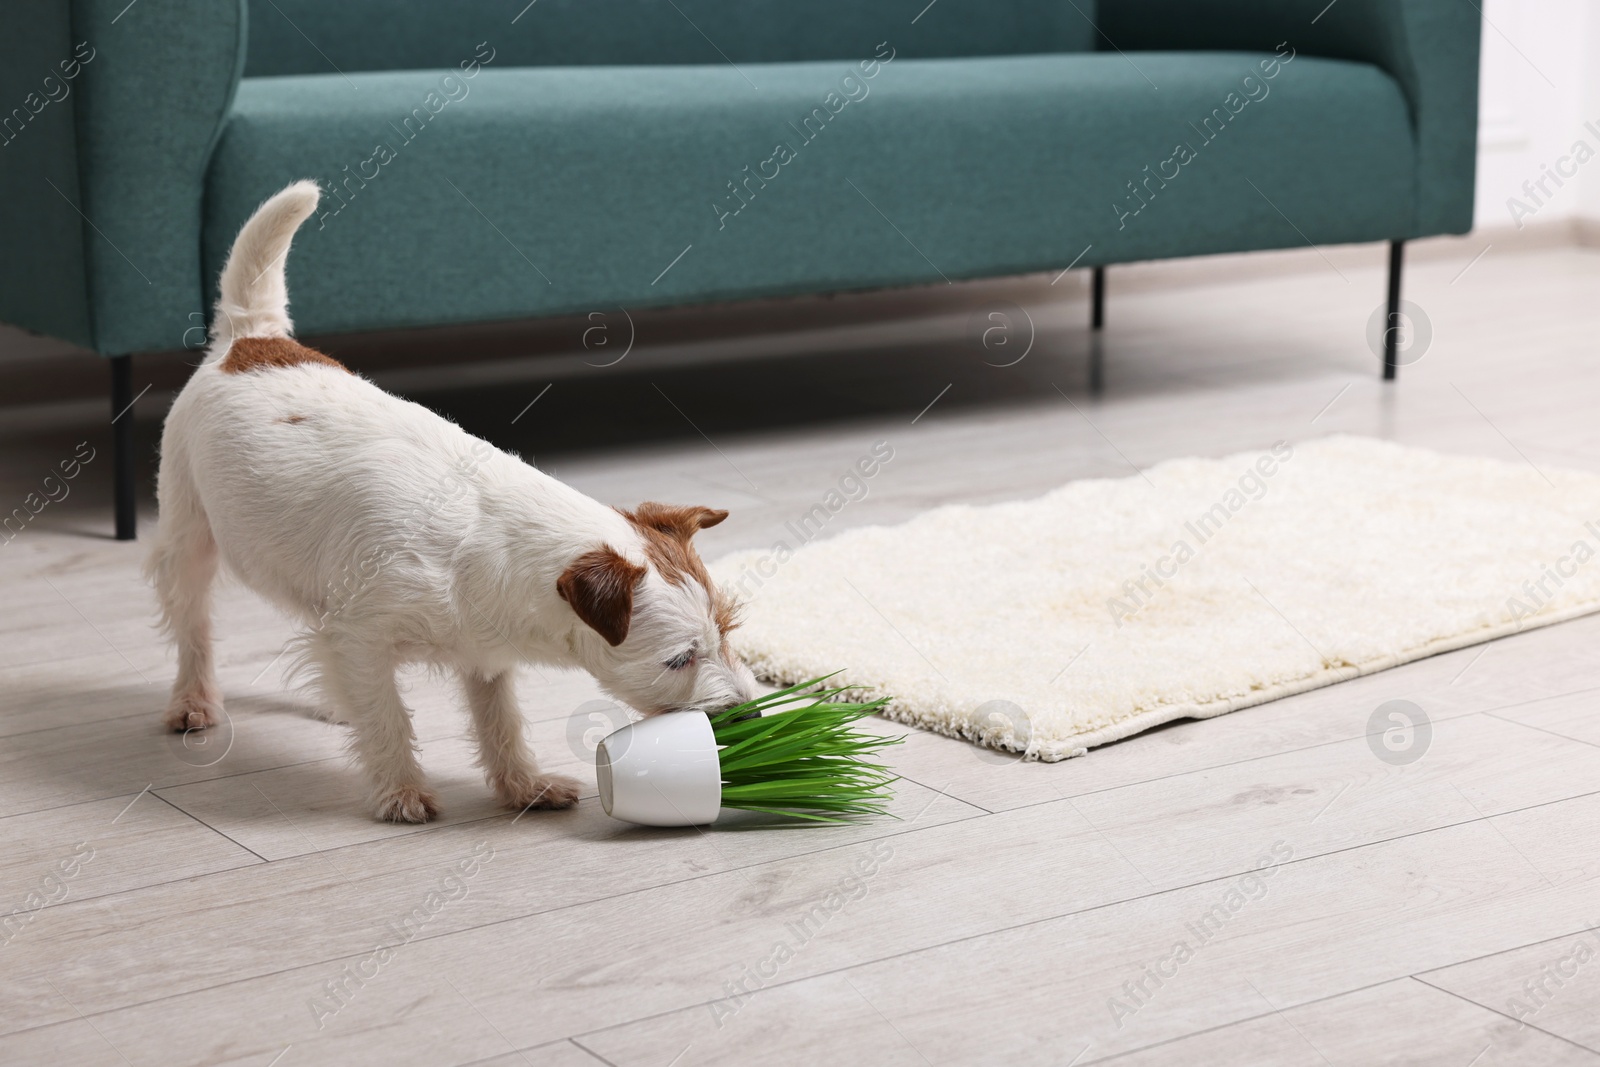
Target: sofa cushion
(535,191)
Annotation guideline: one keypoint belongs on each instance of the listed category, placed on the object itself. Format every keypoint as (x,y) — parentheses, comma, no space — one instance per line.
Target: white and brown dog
(395,537)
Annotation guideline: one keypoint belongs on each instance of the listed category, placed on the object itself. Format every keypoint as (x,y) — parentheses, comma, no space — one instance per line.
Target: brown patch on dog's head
(666,530)
(292,420)
(599,586)
(265,353)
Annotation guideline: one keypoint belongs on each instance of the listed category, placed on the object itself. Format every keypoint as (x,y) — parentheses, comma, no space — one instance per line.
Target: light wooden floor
(1015,913)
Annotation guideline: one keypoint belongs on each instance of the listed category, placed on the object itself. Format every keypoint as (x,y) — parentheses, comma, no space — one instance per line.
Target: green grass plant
(796,753)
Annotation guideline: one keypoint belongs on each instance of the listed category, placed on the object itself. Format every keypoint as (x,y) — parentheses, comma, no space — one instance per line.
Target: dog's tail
(254,300)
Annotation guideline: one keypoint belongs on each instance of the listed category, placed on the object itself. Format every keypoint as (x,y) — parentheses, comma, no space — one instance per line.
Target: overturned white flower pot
(662,771)
(789,753)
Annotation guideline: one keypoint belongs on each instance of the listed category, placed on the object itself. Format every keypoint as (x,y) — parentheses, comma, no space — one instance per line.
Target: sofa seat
(556,190)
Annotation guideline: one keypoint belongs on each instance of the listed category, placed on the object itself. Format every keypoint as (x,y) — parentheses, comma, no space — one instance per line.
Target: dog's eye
(679,662)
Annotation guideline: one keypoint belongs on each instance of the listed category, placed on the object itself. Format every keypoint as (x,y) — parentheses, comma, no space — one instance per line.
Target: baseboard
(1586,232)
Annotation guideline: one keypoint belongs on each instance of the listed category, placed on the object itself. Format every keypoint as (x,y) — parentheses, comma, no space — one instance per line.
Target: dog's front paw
(521,792)
(193,710)
(407,803)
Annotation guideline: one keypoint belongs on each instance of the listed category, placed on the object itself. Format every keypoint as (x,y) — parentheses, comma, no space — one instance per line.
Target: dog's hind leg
(506,760)
(359,679)
(183,565)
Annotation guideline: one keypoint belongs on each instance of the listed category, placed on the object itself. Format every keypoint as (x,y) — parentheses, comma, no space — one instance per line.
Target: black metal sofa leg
(1097,322)
(124,487)
(1097,300)
(1391,333)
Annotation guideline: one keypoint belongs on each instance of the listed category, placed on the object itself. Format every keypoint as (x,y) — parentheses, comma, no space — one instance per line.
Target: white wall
(1539,85)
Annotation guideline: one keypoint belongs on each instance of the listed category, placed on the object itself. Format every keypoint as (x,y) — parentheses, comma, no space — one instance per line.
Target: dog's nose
(743,695)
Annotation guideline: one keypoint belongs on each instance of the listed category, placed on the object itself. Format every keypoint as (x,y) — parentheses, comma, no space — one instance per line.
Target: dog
(395,537)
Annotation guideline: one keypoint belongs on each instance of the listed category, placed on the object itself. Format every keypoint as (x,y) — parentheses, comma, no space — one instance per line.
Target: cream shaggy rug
(1198,587)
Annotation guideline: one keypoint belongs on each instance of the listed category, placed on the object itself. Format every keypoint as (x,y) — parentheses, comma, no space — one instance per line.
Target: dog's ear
(599,586)
(675,519)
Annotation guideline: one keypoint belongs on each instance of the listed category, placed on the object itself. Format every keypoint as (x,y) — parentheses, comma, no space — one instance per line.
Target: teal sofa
(488,160)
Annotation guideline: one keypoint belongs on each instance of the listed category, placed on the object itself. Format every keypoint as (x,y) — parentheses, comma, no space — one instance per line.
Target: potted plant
(792,753)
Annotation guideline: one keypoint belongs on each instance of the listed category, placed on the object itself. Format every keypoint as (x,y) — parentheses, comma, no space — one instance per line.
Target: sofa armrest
(42,278)
(104,182)
(1430,47)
